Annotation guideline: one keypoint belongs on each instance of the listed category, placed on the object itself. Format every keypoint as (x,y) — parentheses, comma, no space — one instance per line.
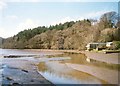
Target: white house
(109,44)
(97,46)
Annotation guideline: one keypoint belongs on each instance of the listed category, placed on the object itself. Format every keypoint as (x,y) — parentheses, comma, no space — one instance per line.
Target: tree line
(70,35)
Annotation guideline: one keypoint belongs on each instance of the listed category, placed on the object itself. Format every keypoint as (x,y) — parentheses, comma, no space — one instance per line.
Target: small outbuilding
(98,46)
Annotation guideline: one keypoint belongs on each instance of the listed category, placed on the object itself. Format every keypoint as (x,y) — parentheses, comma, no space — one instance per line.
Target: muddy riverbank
(110,76)
(18,67)
(49,67)
(20,72)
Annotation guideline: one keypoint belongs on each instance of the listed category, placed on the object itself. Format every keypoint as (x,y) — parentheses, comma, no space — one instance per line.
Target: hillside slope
(70,35)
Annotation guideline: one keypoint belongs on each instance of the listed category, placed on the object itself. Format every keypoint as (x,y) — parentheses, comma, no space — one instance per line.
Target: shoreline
(110,58)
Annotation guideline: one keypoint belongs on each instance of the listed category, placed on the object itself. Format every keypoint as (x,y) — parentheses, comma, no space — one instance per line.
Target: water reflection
(82,59)
(59,73)
(60,79)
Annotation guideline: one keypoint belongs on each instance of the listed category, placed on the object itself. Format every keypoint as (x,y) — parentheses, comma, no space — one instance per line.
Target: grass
(105,51)
(111,51)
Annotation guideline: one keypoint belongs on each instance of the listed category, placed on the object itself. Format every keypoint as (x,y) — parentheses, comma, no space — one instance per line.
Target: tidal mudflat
(50,67)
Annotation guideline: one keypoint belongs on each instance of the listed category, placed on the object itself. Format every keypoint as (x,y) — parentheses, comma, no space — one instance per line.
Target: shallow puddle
(59,73)
(82,59)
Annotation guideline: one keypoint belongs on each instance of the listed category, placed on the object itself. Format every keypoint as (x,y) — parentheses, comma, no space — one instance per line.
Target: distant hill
(1,40)
(70,35)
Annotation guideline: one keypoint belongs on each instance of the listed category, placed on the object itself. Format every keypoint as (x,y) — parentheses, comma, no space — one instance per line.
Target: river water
(52,66)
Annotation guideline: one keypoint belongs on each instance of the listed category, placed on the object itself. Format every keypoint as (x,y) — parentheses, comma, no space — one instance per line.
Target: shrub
(116,45)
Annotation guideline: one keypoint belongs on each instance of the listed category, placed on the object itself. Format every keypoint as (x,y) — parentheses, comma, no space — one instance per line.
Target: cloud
(91,15)
(96,14)
(66,19)
(3,33)
(63,20)
(12,17)
(2,5)
(27,24)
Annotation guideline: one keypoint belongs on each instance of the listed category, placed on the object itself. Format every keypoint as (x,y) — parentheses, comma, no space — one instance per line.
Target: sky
(17,15)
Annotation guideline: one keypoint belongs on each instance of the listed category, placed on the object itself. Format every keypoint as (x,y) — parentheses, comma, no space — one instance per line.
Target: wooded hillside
(70,35)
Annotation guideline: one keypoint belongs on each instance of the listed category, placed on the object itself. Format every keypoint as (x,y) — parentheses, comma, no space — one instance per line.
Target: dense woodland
(70,35)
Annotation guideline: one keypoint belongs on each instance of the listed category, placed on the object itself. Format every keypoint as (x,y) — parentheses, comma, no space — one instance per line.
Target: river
(52,65)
